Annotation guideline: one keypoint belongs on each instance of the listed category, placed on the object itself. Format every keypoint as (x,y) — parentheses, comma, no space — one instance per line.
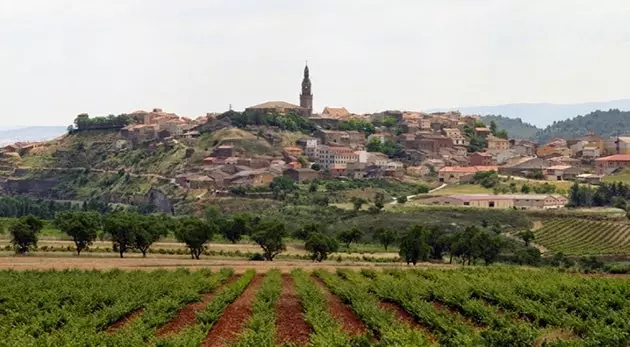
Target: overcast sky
(59,58)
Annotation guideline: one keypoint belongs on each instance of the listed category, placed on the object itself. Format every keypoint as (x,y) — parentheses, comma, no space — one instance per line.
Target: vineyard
(584,237)
(493,306)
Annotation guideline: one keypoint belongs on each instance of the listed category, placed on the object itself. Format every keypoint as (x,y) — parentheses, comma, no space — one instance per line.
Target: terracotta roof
(336,111)
(275,104)
(616,157)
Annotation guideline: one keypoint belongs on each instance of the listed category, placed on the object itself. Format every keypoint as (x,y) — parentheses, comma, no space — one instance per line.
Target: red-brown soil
(187,316)
(350,323)
(406,318)
(130,317)
(234,318)
(291,328)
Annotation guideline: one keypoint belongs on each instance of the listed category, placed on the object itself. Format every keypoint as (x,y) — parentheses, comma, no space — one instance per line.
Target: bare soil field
(61,261)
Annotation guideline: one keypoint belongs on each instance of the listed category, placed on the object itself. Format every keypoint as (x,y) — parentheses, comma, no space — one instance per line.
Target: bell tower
(306,98)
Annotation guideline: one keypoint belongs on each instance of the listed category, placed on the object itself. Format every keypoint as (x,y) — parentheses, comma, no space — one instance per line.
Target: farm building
(519,201)
(461,174)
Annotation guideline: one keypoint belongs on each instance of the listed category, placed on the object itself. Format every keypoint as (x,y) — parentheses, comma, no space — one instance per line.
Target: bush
(257,257)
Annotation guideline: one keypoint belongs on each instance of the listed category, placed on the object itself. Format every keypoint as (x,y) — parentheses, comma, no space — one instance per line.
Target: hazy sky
(59,58)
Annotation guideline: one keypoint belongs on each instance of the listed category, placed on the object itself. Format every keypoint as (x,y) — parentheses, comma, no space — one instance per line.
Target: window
(491,204)
(466,203)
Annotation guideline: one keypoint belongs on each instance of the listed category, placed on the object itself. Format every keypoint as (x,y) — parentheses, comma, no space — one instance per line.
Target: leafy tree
(81,226)
(527,236)
(414,245)
(195,233)
(149,230)
(239,226)
(303,232)
(351,235)
(493,128)
(122,227)
(316,167)
(269,235)
(320,246)
(302,160)
(385,237)
(528,256)
(439,242)
(24,233)
(379,201)
(281,186)
(402,199)
(374,145)
(525,189)
(389,122)
(357,202)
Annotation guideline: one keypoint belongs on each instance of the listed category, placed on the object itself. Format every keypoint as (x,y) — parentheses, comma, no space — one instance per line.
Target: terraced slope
(583,237)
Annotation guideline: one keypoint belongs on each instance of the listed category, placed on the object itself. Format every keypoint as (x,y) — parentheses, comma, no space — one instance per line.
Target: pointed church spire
(306,98)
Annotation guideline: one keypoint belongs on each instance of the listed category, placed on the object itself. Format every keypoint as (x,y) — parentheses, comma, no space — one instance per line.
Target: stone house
(608,165)
(251,178)
(293,151)
(522,166)
(418,171)
(483,132)
(223,151)
(561,172)
(482,159)
(302,175)
(497,144)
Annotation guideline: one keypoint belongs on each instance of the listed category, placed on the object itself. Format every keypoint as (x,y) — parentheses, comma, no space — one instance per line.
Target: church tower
(306,98)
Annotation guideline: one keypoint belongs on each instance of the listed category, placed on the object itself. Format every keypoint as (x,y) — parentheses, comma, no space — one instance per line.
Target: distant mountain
(542,114)
(603,123)
(34,133)
(515,128)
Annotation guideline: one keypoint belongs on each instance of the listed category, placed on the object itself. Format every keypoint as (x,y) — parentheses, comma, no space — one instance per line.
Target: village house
(352,139)
(418,171)
(302,175)
(497,144)
(223,151)
(338,170)
(483,132)
(617,145)
(608,165)
(432,143)
(589,178)
(336,112)
(590,153)
(195,181)
(561,172)
(523,147)
(482,159)
(461,174)
(450,132)
(293,151)
(382,136)
(327,156)
(522,166)
(251,178)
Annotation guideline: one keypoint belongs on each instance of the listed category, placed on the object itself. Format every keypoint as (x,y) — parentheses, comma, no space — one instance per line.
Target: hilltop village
(445,148)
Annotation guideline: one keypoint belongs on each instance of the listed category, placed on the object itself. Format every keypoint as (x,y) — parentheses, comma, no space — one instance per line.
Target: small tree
(239,226)
(379,201)
(385,237)
(306,230)
(24,233)
(357,202)
(81,226)
(527,236)
(351,235)
(150,230)
(402,199)
(320,246)
(269,235)
(281,186)
(195,233)
(414,246)
(122,227)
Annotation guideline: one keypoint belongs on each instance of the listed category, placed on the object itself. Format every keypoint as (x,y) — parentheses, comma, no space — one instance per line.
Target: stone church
(306,101)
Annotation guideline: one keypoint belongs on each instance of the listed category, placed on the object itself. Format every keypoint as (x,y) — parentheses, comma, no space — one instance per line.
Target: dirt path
(406,318)
(187,316)
(234,318)
(350,323)
(62,261)
(291,328)
(127,319)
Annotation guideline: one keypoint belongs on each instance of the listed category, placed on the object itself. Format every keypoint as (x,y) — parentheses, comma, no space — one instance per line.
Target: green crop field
(492,306)
(584,237)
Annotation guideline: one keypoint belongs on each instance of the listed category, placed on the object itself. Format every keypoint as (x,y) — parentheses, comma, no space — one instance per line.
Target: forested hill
(515,127)
(603,123)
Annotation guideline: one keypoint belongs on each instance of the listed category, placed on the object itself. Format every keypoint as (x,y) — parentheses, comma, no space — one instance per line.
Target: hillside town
(448,147)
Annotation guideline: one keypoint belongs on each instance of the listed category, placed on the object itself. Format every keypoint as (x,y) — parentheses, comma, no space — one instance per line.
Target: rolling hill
(515,127)
(604,123)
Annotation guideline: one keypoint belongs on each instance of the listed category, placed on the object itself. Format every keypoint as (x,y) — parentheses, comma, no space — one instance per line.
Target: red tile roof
(616,157)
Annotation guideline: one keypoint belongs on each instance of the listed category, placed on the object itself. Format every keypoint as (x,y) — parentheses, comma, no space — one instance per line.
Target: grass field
(493,306)
(584,237)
